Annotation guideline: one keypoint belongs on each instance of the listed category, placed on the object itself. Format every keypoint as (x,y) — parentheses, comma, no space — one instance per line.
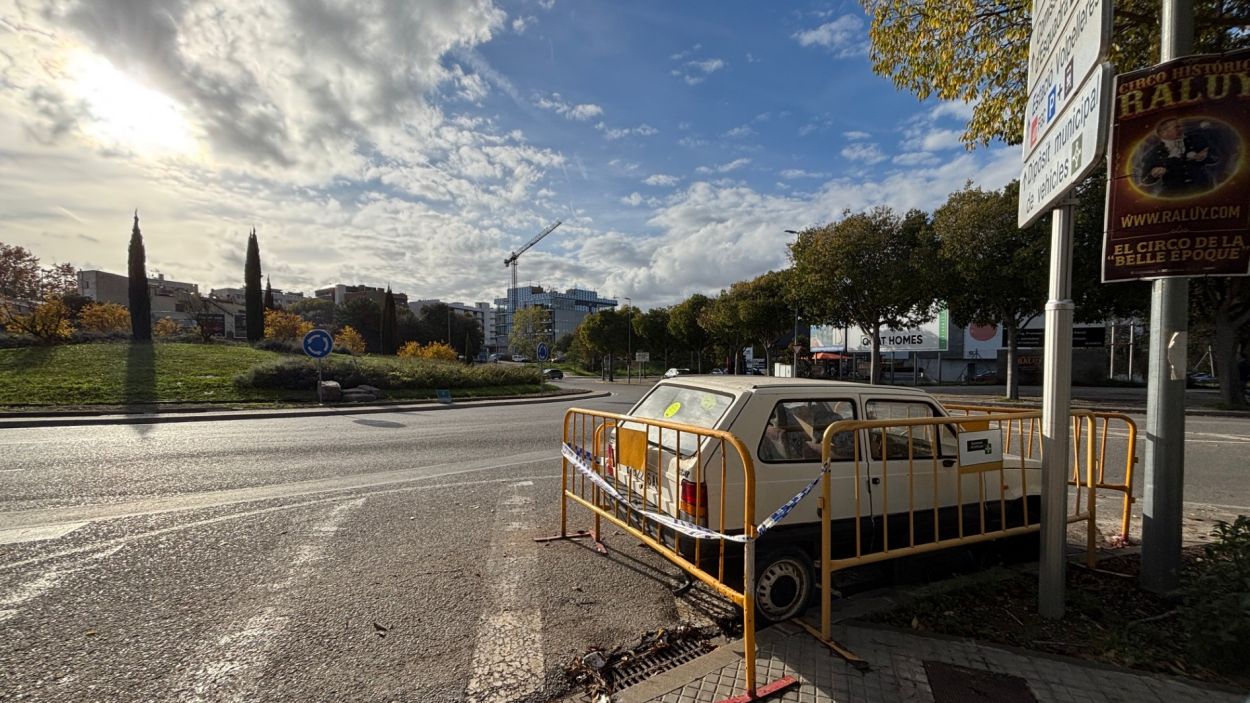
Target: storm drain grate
(645,667)
(602,673)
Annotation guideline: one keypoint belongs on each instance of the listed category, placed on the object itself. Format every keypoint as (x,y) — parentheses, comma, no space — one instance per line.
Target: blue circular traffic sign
(318,344)
(542,351)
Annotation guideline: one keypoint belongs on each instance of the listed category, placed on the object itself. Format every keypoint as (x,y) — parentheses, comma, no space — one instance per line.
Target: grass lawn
(125,374)
(122,373)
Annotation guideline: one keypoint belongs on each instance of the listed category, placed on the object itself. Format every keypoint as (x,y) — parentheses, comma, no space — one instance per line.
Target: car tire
(784,584)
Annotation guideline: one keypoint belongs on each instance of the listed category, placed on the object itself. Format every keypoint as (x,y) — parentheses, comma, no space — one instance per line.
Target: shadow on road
(379,423)
(139,392)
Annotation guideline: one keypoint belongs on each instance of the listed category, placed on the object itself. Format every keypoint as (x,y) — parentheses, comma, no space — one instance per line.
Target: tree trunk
(1224,351)
(874,362)
(699,368)
(768,364)
(611,367)
(1013,376)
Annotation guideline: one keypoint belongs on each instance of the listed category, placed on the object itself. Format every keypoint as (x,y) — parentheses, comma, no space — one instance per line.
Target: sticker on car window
(708,402)
(672,409)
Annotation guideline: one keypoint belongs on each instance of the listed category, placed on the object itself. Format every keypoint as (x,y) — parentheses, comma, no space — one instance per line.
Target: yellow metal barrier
(1028,435)
(925,450)
(655,464)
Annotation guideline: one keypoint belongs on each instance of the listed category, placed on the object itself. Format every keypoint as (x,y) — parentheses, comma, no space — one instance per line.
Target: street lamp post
(629,337)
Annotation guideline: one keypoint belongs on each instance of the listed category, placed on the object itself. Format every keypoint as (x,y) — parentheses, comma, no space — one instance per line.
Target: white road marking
(231,664)
(508,657)
(18,535)
(11,604)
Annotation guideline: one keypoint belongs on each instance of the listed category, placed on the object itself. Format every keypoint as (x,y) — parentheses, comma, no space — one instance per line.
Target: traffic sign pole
(1056,417)
(1165,388)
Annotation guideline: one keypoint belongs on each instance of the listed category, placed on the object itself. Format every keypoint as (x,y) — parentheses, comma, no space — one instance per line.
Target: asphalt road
(372,557)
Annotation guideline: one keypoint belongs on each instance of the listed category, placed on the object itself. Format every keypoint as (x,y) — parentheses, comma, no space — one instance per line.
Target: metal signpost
(1064,136)
(318,344)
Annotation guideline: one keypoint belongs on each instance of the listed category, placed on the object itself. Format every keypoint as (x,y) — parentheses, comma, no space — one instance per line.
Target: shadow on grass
(139,393)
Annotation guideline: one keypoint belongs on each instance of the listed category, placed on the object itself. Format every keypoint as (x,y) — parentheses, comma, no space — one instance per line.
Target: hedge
(385,373)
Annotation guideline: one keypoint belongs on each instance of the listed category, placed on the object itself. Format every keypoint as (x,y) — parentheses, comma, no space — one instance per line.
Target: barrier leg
(748,611)
(1092,538)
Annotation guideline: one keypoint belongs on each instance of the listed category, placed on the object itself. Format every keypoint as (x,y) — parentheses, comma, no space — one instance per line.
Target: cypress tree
(269,295)
(140,299)
(252,294)
(389,324)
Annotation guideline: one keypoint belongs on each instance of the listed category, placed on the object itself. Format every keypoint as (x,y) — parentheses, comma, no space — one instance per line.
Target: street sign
(642,357)
(318,344)
(543,352)
(1070,38)
(444,396)
(1179,187)
(1068,152)
(981,450)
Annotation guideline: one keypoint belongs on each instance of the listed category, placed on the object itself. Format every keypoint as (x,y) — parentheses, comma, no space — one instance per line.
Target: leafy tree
(1094,300)
(76,303)
(315,310)
(104,317)
(723,322)
(389,337)
(765,314)
(996,272)
(19,273)
(252,298)
(363,315)
(140,298)
(651,327)
(1225,304)
(351,340)
(287,326)
(49,321)
(269,295)
(59,279)
(873,269)
(439,351)
(529,327)
(976,51)
(604,333)
(166,327)
(564,343)
(683,324)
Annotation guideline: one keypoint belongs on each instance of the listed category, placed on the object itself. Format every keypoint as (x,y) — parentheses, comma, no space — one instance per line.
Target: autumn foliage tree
(49,321)
(104,318)
(285,326)
(350,339)
(438,351)
(166,327)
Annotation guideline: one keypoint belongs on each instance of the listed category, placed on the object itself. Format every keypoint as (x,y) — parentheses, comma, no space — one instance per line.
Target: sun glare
(126,114)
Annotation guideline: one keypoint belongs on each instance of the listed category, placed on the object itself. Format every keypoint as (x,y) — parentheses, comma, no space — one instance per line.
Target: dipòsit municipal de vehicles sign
(1178,199)
(1068,100)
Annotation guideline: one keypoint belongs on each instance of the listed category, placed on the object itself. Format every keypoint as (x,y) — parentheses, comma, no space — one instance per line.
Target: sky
(416,143)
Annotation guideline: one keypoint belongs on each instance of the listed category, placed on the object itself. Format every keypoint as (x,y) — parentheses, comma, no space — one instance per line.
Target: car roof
(771,384)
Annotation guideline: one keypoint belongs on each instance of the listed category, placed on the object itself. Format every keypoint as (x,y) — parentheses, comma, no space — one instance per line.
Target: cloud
(546,4)
(844,37)
(580,112)
(695,72)
(915,158)
(856,135)
(661,179)
(793,173)
(683,54)
(818,123)
(957,110)
(725,167)
(633,199)
(642,130)
(520,24)
(860,151)
(739,132)
(752,59)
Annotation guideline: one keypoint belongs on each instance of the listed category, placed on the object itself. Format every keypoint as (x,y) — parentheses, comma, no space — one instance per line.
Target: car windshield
(684,405)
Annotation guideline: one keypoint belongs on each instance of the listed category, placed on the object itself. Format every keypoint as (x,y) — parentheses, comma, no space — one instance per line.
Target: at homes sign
(1178,200)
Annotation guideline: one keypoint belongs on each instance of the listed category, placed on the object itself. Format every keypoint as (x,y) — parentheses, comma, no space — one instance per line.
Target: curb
(209,416)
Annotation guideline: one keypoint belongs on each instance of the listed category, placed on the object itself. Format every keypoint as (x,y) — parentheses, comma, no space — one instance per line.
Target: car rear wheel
(783,585)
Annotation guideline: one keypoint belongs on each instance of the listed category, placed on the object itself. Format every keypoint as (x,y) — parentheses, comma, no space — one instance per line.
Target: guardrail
(1027,436)
(936,511)
(651,479)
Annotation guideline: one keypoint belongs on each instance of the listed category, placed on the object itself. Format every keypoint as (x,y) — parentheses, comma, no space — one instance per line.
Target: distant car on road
(671,373)
(718,372)
(553,374)
(519,357)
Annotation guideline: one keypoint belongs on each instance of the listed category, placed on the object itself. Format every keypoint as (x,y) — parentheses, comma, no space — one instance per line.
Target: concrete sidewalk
(908,666)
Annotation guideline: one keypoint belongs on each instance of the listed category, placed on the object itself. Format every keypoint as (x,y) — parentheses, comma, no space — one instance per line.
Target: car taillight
(609,463)
(694,498)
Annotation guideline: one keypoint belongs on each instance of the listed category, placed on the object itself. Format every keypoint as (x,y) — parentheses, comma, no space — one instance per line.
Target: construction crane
(511,261)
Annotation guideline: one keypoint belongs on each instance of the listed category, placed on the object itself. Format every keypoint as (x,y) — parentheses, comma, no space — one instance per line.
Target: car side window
(920,438)
(795,429)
